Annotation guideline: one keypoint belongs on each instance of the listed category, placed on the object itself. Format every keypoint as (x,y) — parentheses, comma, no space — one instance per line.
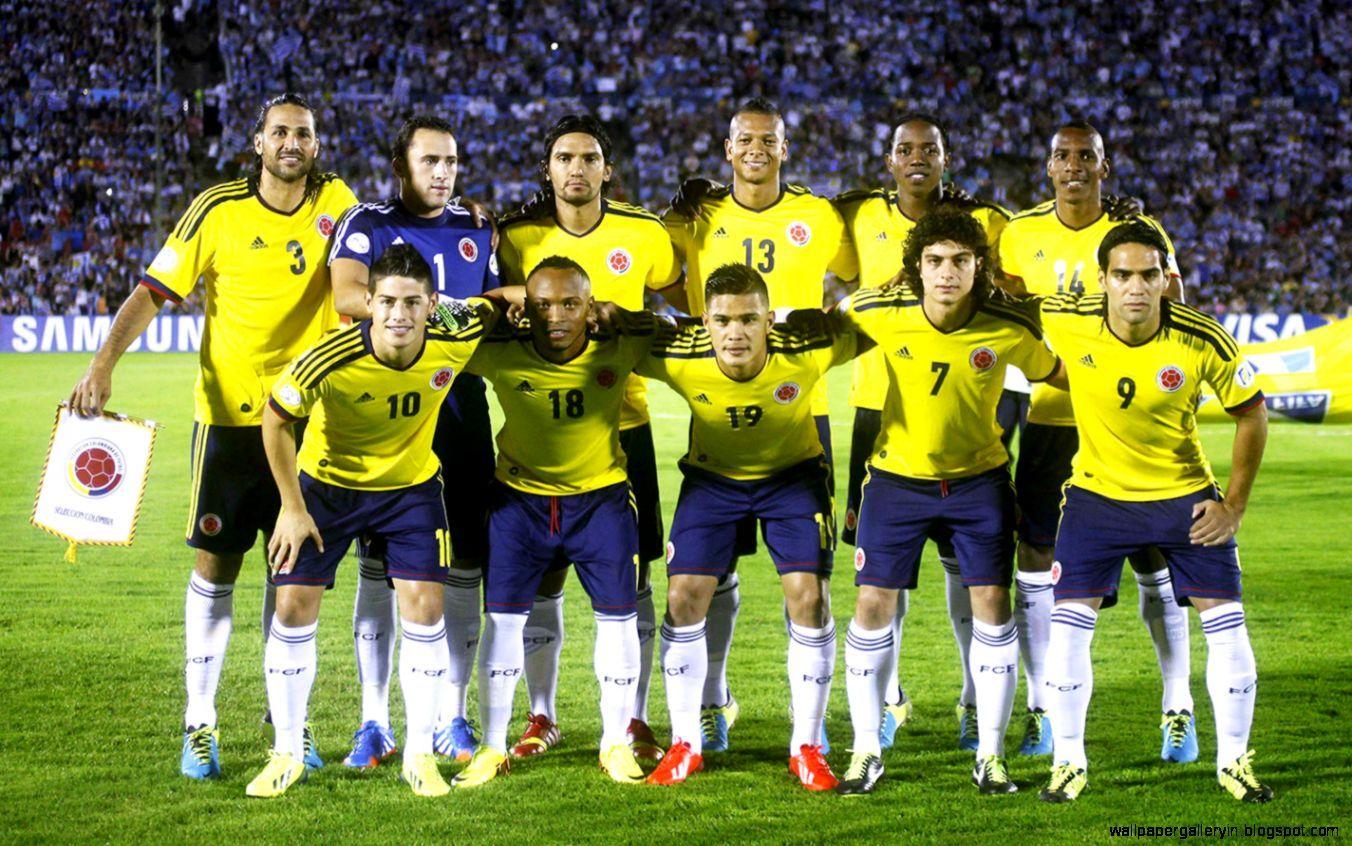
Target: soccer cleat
(312,759)
(991,776)
(1179,744)
(862,776)
(201,753)
(642,741)
(486,765)
(679,764)
(967,727)
(456,741)
(1037,733)
(716,722)
(1066,783)
(421,773)
(810,766)
(1239,781)
(282,771)
(371,744)
(894,717)
(620,764)
(541,735)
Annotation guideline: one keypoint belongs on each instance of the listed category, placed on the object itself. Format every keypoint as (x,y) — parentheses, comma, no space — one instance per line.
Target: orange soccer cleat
(810,766)
(677,765)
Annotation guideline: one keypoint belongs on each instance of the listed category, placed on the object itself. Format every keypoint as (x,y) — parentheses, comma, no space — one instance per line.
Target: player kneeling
(754,454)
(372,392)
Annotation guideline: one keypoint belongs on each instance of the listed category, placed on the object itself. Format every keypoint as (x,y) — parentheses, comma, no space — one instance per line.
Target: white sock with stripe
(289,664)
(423,664)
(685,661)
(867,654)
(463,612)
(1033,603)
(543,644)
(1167,622)
(374,623)
(960,617)
(615,659)
(811,663)
(994,663)
(1069,680)
(501,661)
(720,623)
(208,618)
(1231,678)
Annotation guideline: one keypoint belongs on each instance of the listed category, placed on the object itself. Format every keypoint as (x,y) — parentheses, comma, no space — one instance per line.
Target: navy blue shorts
(746,530)
(898,514)
(463,443)
(1045,453)
(409,525)
(1011,414)
(530,534)
(793,507)
(641,467)
(1097,533)
(233,496)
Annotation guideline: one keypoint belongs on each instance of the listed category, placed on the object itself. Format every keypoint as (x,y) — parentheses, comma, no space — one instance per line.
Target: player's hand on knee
(292,531)
(91,392)
(1214,523)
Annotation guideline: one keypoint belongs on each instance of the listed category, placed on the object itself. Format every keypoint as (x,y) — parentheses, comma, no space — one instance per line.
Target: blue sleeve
(354,238)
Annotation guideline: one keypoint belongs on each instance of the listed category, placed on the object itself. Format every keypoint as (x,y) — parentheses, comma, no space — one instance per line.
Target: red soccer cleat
(810,766)
(642,741)
(677,765)
(541,735)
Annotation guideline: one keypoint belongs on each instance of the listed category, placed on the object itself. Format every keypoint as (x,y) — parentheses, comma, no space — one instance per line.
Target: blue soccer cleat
(312,760)
(716,722)
(201,757)
(967,727)
(371,744)
(1037,733)
(456,741)
(1179,744)
(894,717)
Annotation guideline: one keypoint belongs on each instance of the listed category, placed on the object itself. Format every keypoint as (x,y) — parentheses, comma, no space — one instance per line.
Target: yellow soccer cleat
(1239,781)
(282,771)
(487,764)
(1065,784)
(421,773)
(620,764)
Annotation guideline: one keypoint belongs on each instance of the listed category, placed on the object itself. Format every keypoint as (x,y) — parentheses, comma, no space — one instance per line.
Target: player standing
(426,159)
(792,239)
(939,470)
(625,251)
(1136,361)
(259,244)
(1051,249)
(878,222)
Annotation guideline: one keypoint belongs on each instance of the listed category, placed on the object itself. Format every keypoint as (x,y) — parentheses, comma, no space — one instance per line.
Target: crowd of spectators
(1228,119)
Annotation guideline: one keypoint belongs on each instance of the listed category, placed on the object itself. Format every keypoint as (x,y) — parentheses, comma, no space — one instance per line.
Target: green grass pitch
(91,685)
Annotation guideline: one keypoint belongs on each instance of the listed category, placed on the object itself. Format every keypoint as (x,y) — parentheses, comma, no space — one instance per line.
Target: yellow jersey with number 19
(1136,405)
(268,297)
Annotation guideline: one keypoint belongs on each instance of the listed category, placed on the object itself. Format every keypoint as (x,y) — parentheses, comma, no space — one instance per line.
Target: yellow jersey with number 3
(938,419)
(749,429)
(268,297)
(1136,405)
(371,424)
(878,229)
(1052,258)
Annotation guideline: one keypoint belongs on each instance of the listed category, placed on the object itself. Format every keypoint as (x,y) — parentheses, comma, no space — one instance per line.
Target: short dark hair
(400,260)
(568,124)
(559,263)
(735,280)
(1135,231)
(1079,125)
(404,137)
(759,106)
(945,224)
(924,117)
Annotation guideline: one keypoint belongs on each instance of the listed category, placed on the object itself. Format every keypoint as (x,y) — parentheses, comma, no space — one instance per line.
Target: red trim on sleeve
(160,288)
(1248,404)
(282,412)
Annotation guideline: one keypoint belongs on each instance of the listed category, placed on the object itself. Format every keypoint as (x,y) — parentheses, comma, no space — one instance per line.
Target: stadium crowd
(1227,119)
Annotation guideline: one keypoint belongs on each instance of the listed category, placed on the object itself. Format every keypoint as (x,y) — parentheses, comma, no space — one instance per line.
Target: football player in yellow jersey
(561,496)
(939,470)
(1136,361)
(1049,249)
(754,451)
(793,239)
(259,244)
(878,222)
(373,391)
(625,251)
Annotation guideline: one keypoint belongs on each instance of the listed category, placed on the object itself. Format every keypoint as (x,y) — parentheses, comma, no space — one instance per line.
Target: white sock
(867,654)
(463,613)
(995,666)
(374,622)
(615,659)
(647,632)
(685,661)
(1069,680)
(208,617)
(1231,679)
(1167,622)
(289,664)
(501,661)
(892,682)
(543,643)
(719,626)
(269,605)
(1033,603)
(812,661)
(422,674)
(960,615)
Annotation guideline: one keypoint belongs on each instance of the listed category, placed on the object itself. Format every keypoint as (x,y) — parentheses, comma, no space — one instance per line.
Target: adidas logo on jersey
(258,243)
(365,397)
(1088,361)
(881,236)
(525,387)
(703,399)
(720,232)
(1039,256)
(904,352)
